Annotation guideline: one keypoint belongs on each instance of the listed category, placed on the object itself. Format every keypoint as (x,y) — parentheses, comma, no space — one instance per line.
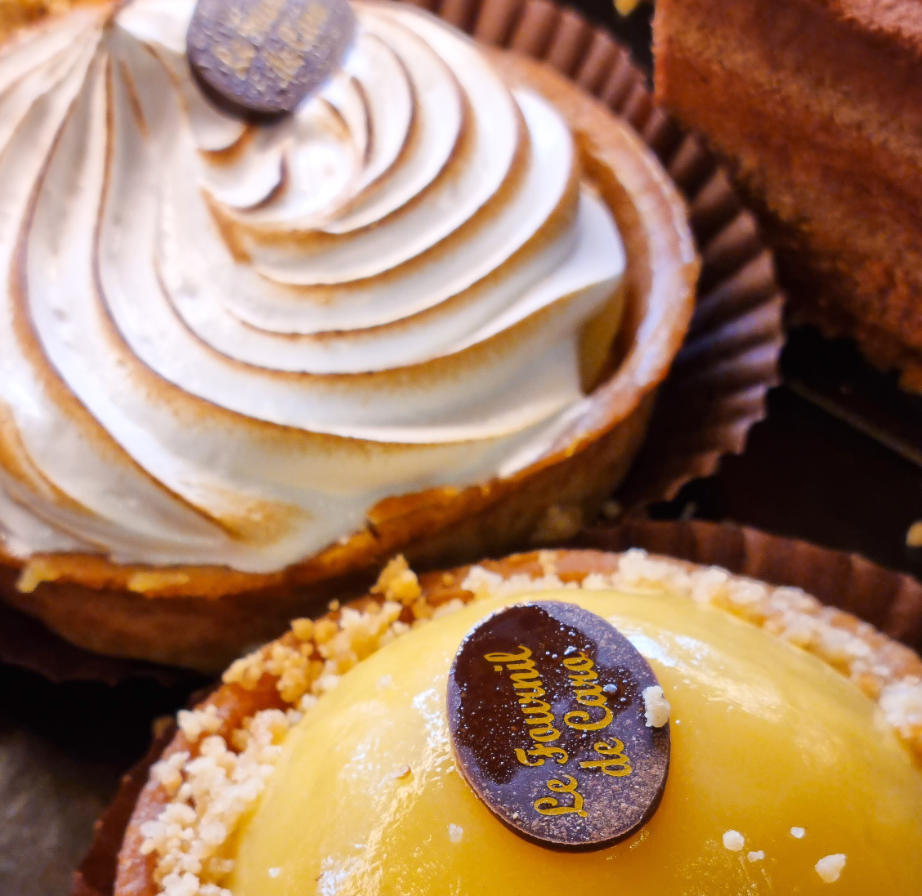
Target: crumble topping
(798,833)
(756,855)
(212,777)
(209,792)
(398,582)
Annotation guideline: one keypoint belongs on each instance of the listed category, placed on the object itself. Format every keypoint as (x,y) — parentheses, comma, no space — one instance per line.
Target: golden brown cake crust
(264,681)
(203,616)
(818,103)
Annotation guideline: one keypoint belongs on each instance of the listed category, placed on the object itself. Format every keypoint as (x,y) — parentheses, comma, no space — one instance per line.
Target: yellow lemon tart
(330,762)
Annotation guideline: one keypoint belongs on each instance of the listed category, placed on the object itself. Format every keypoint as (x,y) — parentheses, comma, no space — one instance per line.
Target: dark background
(838,461)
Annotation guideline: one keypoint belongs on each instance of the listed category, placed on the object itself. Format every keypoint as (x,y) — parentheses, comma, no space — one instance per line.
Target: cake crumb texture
(818,106)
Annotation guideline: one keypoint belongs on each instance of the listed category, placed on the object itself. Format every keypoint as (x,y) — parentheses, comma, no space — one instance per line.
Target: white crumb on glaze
(733,840)
(829,868)
(656,706)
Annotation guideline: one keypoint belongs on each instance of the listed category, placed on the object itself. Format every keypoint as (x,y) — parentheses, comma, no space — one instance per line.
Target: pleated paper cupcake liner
(890,601)
(718,384)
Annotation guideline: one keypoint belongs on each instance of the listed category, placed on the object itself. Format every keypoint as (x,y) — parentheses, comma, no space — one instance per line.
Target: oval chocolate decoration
(548,723)
(260,58)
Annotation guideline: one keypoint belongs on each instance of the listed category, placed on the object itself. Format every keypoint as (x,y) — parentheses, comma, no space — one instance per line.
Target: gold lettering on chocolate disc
(585,682)
(258,21)
(529,689)
(548,805)
(615,765)
(236,56)
(552,734)
(540,753)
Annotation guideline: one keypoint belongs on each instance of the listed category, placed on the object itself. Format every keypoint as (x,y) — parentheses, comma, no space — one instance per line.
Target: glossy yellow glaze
(367,799)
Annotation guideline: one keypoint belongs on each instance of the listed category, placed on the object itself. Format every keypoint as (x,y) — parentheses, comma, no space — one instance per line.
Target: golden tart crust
(201,617)
(239,725)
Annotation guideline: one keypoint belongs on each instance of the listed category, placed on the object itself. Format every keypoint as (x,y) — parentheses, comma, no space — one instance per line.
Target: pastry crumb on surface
(152,580)
(196,722)
(212,777)
(756,855)
(788,613)
(547,560)
(914,535)
(558,523)
(901,702)
(798,833)
(34,573)
(829,868)
(733,840)
(398,582)
(303,629)
(455,833)
(611,510)
(656,706)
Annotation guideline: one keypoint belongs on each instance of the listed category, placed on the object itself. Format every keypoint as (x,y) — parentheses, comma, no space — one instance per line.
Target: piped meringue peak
(223,343)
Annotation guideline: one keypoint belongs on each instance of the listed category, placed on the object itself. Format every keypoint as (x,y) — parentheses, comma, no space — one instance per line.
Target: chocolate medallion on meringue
(261,58)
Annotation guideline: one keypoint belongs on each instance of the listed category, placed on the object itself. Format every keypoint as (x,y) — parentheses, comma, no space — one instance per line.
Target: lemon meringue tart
(427,310)
(756,741)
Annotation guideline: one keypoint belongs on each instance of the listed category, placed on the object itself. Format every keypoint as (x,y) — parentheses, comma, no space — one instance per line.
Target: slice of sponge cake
(818,103)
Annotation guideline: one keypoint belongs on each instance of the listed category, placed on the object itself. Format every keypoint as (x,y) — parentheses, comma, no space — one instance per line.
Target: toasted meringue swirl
(224,343)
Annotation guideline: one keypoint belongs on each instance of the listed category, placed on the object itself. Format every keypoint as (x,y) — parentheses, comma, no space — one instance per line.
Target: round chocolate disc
(548,719)
(260,58)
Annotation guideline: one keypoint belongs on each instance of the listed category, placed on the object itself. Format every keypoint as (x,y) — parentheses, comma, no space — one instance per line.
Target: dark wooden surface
(833,463)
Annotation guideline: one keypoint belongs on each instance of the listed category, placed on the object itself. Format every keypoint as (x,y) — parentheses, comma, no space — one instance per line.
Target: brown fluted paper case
(716,390)
(890,601)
